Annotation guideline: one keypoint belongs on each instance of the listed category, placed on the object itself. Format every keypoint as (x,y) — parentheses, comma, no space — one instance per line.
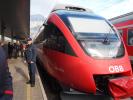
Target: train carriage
(84,51)
(124,24)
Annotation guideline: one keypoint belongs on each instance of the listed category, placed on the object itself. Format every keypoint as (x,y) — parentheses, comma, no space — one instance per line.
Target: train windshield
(97,37)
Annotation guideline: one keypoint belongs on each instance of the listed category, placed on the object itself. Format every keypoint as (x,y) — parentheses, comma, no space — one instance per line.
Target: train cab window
(49,37)
(97,37)
(55,40)
(130,37)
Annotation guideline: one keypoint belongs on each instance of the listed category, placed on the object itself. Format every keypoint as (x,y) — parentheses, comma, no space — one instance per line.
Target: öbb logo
(116,68)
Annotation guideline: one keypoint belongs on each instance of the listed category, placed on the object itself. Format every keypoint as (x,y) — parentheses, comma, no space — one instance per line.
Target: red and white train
(83,51)
(124,24)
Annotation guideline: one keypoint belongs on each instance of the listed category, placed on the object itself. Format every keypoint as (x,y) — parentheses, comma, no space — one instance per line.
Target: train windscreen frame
(98,38)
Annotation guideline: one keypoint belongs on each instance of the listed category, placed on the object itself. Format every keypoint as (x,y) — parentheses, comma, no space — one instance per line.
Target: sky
(105,8)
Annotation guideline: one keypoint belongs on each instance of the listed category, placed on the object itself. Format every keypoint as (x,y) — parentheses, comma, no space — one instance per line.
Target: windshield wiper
(106,40)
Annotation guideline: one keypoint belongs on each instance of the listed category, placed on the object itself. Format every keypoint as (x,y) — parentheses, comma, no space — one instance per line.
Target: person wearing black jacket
(16,49)
(10,50)
(31,60)
(6,90)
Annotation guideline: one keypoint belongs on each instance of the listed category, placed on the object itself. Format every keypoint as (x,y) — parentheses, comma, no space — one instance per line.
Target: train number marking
(114,69)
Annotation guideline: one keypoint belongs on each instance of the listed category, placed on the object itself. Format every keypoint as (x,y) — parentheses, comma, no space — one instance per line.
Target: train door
(130,43)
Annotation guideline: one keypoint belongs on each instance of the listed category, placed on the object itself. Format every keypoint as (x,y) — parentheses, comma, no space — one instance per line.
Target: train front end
(101,52)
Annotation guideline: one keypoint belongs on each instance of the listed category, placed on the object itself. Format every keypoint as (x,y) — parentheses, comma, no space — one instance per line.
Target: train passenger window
(55,40)
(130,37)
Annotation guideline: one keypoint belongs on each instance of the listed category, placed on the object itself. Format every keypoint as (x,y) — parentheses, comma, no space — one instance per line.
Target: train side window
(49,37)
(55,40)
(63,45)
(46,36)
(130,37)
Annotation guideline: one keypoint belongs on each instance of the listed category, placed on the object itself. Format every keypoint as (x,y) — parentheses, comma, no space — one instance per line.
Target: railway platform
(23,91)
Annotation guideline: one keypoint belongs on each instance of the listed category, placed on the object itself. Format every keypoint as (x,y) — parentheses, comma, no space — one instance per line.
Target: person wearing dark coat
(30,54)
(21,50)
(10,50)
(16,50)
(5,48)
(6,90)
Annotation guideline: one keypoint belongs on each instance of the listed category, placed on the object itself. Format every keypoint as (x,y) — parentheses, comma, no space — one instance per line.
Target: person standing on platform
(31,60)
(24,50)
(21,50)
(16,49)
(10,50)
(5,48)
(6,90)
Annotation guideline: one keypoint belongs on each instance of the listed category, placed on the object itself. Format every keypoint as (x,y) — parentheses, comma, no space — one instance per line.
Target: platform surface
(23,91)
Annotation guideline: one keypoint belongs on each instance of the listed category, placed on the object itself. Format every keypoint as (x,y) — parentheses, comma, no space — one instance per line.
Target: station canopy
(15,18)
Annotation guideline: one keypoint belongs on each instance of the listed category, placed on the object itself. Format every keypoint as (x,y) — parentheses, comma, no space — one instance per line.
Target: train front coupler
(121,88)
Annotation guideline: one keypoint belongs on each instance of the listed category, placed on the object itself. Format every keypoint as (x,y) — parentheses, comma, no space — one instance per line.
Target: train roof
(122,18)
(65,13)
(73,10)
(70,7)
